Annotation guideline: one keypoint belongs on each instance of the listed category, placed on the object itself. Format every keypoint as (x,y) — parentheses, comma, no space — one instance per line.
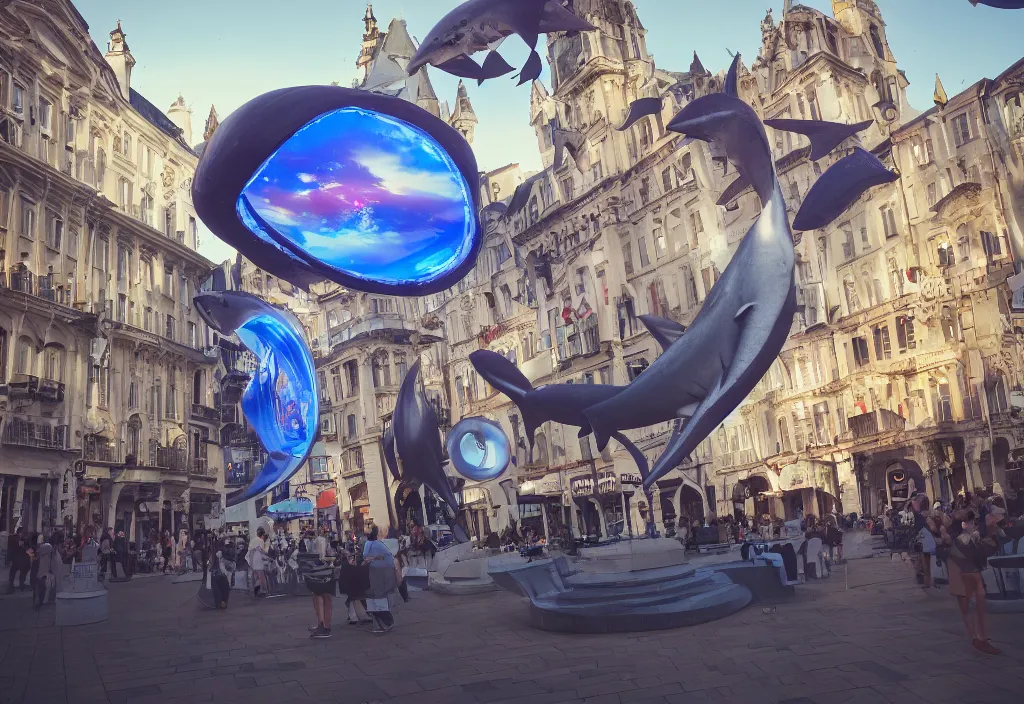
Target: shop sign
(581,486)
(630,479)
(794,476)
(608,483)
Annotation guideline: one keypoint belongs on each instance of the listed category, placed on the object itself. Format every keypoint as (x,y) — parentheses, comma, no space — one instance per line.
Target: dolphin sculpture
(390,459)
(731,123)
(1000,4)
(731,79)
(638,109)
(561,403)
(745,319)
(477,25)
(418,444)
(281,401)
(838,188)
(825,136)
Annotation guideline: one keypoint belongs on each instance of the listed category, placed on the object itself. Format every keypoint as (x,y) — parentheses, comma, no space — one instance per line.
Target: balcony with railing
(172,458)
(24,432)
(200,467)
(47,287)
(101,450)
(26,386)
(205,414)
(873,423)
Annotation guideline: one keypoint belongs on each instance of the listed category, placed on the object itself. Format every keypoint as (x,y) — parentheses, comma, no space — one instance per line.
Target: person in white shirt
(258,562)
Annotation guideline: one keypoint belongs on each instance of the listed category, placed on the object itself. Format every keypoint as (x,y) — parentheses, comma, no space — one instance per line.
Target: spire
(464,119)
(120,59)
(369,21)
(697,67)
(181,115)
(940,93)
(212,123)
(372,39)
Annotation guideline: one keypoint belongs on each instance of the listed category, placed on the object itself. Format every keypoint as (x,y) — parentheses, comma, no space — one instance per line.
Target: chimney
(120,59)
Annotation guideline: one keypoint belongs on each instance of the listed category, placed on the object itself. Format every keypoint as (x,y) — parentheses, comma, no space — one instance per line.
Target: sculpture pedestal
(81,598)
(80,608)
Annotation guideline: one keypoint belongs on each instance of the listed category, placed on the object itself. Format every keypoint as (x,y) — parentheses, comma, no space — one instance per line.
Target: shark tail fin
(602,428)
(506,377)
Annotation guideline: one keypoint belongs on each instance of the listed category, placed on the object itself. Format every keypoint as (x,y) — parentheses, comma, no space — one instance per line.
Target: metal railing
(875,422)
(26,433)
(102,452)
(205,413)
(48,287)
(200,466)
(172,458)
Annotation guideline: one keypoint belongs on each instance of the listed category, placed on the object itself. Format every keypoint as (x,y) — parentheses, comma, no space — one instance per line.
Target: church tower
(181,115)
(464,119)
(120,59)
(371,39)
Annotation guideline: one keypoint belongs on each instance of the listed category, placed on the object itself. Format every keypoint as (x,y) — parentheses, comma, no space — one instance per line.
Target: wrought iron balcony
(200,467)
(874,423)
(27,433)
(229,414)
(96,451)
(205,414)
(48,287)
(172,458)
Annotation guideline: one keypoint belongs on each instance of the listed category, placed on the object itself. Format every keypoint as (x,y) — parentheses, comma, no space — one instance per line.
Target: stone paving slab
(881,640)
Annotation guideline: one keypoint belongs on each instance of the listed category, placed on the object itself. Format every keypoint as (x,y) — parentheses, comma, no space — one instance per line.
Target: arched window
(852,299)
(784,444)
(53,362)
(25,358)
(134,437)
(876,41)
(381,370)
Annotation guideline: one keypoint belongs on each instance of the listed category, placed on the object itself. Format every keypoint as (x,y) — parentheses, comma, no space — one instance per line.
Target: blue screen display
(366,195)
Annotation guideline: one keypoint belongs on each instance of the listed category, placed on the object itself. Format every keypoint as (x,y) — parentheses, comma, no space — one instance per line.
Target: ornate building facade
(107,405)
(903,369)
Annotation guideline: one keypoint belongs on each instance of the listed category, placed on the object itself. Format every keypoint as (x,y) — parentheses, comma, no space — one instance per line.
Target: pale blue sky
(224,52)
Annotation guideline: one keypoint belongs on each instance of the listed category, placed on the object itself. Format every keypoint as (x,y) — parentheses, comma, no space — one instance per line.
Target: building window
(401,366)
(147,320)
(172,393)
(645,259)
(785,443)
(627,258)
(169,328)
(350,426)
(122,308)
(945,255)
(889,222)
(646,134)
(992,245)
(28,219)
(860,351)
(193,337)
(123,256)
(381,370)
(124,193)
(24,362)
(905,334)
(352,375)
(883,350)
(168,280)
(696,229)
(146,208)
(627,319)
(848,248)
(635,368)
(126,144)
(54,230)
(690,287)
(896,277)
(566,185)
(961,129)
(319,469)
(660,243)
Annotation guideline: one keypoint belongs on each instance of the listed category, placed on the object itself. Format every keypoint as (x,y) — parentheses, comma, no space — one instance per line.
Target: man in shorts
(322,582)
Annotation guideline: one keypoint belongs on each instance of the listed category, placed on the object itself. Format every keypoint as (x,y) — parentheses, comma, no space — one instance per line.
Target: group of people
(961,536)
(38,559)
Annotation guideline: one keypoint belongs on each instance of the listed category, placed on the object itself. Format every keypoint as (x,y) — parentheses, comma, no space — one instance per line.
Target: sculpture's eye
(374,195)
(479,449)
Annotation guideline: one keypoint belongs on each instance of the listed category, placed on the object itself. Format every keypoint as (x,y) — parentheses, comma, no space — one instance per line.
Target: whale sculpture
(479,25)
(280,402)
(839,187)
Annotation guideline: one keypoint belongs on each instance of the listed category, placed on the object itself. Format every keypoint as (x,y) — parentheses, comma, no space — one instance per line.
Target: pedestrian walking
(258,562)
(968,556)
(322,582)
(47,561)
(18,559)
(382,582)
(353,583)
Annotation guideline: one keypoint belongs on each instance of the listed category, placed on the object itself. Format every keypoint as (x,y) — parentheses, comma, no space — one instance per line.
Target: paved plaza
(881,640)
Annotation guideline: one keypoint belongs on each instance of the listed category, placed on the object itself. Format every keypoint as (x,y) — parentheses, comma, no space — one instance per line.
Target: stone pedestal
(81,598)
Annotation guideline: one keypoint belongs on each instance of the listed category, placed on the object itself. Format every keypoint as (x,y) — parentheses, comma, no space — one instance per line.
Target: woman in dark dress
(353,582)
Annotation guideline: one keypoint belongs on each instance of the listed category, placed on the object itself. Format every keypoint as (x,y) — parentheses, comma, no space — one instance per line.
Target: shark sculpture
(639,109)
(839,187)
(418,445)
(1000,4)
(478,25)
(825,136)
(745,320)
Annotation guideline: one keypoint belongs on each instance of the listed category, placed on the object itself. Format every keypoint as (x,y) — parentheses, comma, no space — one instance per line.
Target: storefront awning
(328,498)
(290,509)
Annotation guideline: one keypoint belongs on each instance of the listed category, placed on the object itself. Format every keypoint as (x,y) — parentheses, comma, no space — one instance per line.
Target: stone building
(107,406)
(903,367)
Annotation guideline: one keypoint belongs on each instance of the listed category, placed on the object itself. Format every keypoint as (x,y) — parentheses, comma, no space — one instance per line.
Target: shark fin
(663,330)
(463,67)
(494,66)
(744,309)
(595,419)
(531,69)
(585,430)
(731,78)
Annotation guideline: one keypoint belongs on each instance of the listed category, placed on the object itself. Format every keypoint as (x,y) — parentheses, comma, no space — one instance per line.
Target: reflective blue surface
(291,508)
(366,195)
(479,449)
(280,401)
